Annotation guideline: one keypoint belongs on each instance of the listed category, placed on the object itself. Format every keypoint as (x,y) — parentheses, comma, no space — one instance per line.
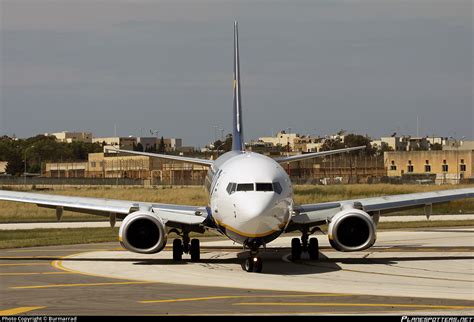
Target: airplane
(250,201)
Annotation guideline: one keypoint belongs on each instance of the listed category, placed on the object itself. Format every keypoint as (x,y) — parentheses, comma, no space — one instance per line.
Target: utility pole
(457,144)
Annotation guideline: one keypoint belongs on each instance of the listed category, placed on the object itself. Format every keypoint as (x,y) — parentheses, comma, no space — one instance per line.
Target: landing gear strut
(298,246)
(185,245)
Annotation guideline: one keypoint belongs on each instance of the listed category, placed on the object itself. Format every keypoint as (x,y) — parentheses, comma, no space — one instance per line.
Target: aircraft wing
(318,213)
(181,214)
(167,156)
(304,156)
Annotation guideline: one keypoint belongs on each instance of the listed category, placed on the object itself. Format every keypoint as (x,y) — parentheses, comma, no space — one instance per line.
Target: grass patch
(424,224)
(49,237)
(69,236)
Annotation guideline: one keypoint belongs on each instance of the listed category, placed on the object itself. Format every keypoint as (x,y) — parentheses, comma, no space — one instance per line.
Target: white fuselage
(251,197)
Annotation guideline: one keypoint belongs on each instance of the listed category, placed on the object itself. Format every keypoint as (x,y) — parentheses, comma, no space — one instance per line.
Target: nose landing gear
(253,263)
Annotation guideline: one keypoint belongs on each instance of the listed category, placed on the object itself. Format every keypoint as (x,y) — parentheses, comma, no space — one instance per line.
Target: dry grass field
(19,212)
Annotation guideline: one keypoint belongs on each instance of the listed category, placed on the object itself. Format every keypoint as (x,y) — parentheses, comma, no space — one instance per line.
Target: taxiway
(427,271)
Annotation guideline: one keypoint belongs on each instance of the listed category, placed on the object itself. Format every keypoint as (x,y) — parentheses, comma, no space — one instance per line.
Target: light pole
(456,144)
(215,132)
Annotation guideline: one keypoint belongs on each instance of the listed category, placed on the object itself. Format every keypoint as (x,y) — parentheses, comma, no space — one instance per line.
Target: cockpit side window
(245,187)
(231,187)
(277,187)
(264,186)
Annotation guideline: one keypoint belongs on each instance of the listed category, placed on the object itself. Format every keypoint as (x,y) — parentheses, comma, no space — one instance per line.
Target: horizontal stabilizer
(166,156)
(300,157)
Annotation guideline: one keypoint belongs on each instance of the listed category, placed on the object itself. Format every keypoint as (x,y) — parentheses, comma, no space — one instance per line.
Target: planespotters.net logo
(437,319)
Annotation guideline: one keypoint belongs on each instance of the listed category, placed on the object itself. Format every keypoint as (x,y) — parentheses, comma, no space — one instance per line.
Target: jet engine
(351,230)
(143,232)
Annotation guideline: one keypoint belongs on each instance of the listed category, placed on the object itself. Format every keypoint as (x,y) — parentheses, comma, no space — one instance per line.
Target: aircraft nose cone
(254,206)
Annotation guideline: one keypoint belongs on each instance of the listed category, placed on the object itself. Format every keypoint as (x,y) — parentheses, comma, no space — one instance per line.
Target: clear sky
(316,66)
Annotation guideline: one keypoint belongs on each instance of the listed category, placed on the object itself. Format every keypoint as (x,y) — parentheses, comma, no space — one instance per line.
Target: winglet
(237,131)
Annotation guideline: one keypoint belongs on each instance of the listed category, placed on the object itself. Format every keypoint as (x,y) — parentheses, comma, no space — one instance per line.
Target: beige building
(3,166)
(172,144)
(154,170)
(296,142)
(443,166)
(117,142)
(282,139)
(69,137)
(66,170)
(458,145)
(395,142)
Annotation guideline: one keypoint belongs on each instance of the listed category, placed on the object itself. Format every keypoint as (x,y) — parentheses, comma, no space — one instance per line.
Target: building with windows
(443,166)
(458,145)
(117,142)
(69,137)
(281,139)
(123,166)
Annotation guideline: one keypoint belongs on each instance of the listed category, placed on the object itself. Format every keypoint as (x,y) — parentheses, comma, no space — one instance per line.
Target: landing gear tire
(194,250)
(248,265)
(253,264)
(313,248)
(295,249)
(177,249)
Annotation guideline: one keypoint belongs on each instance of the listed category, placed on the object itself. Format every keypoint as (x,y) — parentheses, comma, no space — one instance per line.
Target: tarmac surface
(422,271)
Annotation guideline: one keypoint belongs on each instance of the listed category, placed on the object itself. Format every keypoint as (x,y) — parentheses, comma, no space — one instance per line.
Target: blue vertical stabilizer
(237,131)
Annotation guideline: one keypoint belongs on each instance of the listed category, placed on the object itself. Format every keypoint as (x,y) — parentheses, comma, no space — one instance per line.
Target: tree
(138,147)
(162,146)
(384,147)
(15,165)
(223,146)
(350,140)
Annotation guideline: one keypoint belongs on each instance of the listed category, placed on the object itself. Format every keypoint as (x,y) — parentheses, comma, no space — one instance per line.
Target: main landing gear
(185,245)
(302,245)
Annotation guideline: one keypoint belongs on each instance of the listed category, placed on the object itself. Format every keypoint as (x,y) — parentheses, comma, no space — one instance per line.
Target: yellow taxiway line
(226,297)
(76,285)
(411,306)
(25,264)
(19,310)
(24,257)
(34,273)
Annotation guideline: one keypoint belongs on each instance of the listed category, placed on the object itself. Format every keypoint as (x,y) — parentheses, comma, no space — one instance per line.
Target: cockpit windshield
(264,186)
(259,186)
(245,187)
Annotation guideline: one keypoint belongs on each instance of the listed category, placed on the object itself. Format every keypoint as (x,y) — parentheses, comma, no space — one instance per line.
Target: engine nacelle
(351,230)
(143,232)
